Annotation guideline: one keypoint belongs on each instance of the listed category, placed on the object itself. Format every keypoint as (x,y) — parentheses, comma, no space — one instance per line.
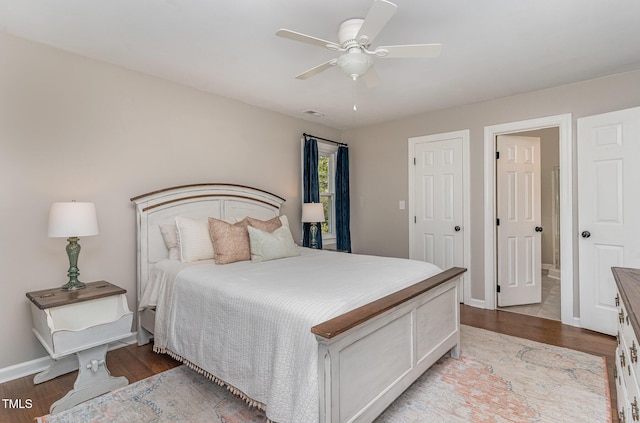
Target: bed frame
(366,357)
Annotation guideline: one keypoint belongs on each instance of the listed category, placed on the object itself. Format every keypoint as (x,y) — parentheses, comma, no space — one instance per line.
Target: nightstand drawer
(74,327)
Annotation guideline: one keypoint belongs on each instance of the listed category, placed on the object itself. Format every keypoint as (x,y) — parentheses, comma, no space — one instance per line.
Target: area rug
(498,378)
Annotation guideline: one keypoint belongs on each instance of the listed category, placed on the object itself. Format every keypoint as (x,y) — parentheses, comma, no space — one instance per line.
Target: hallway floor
(549,308)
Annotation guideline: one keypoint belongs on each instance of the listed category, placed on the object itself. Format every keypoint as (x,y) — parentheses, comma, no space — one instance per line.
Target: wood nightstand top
(56,297)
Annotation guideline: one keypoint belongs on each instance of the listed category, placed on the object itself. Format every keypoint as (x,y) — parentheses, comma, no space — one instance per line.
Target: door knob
(585,234)
(457,229)
(538,228)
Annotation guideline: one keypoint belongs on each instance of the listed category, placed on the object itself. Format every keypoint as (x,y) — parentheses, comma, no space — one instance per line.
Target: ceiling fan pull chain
(355,85)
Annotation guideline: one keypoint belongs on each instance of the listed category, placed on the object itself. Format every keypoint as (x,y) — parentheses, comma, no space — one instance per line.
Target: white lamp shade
(72,220)
(312,212)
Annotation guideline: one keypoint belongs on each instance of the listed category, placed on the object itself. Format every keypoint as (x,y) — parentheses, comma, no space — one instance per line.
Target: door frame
(466,201)
(567,230)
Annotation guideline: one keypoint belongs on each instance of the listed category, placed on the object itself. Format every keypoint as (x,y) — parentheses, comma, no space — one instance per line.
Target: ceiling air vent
(314,113)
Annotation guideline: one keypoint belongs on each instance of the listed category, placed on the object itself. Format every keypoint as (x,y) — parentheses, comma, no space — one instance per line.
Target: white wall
(75,128)
(379,165)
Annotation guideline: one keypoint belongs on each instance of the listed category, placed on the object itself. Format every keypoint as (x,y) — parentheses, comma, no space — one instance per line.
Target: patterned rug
(498,378)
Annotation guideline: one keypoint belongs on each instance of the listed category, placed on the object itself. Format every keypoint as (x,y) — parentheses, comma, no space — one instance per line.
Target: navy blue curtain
(343,210)
(311,188)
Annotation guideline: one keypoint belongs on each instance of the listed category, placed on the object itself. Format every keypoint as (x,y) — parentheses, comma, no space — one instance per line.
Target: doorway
(563,123)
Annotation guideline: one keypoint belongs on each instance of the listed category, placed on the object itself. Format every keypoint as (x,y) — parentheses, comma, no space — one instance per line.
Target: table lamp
(72,220)
(313,213)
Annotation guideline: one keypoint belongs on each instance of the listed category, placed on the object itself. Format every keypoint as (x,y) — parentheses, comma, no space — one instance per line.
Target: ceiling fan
(354,42)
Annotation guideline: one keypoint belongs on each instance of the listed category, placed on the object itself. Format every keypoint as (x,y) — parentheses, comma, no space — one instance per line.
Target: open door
(519,227)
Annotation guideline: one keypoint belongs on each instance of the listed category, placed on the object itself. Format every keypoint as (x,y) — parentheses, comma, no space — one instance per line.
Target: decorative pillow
(170,236)
(231,241)
(265,225)
(284,220)
(194,242)
(270,246)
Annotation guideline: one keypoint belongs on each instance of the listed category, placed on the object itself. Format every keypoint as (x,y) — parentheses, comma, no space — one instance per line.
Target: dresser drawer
(627,354)
(74,327)
(624,325)
(627,340)
(624,408)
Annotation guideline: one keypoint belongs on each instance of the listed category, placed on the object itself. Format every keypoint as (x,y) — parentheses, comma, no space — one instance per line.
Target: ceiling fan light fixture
(355,64)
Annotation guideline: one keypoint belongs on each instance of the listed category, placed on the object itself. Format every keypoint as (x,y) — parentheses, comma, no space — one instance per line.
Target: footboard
(369,356)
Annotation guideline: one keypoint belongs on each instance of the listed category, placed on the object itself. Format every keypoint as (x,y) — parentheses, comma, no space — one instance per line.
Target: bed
(341,349)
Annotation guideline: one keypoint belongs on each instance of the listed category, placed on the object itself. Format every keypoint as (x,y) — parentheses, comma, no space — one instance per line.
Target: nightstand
(76,327)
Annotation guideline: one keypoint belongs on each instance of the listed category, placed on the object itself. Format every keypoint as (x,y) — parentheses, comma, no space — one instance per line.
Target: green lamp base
(73,251)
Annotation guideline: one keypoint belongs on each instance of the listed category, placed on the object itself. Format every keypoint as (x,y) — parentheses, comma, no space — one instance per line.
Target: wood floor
(137,363)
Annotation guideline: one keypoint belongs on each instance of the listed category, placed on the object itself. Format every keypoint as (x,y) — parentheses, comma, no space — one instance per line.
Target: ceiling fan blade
(314,71)
(371,78)
(303,38)
(379,14)
(410,50)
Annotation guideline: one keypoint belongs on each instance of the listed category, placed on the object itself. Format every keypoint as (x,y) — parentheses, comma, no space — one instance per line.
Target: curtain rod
(324,139)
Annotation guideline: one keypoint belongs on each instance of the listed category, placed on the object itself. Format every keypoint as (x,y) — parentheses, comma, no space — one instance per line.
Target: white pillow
(194,241)
(270,246)
(284,220)
(170,236)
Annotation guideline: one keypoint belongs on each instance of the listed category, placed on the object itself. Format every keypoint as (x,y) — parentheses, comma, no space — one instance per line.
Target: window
(327,178)
(326,192)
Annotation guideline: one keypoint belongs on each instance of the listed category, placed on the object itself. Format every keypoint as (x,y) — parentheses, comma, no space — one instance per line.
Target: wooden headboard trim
(215,185)
(204,196)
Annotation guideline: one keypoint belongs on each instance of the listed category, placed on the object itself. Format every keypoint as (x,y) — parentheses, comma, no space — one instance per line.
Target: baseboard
(39,364)
(546,266)
(475,303)
(554,273)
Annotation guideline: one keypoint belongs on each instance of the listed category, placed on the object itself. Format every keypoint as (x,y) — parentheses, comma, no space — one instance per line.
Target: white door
(438,198)
(608,210)
(519,227)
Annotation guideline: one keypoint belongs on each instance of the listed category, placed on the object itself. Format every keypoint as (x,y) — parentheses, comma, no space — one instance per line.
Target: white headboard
(223,201)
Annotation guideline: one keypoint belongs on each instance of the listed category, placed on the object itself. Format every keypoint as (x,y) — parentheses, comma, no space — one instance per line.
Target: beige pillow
(231,241)
(270,246)
(194,242)
(265,225)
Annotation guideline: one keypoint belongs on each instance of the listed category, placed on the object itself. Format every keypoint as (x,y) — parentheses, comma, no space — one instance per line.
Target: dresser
(627,366)
(76,327)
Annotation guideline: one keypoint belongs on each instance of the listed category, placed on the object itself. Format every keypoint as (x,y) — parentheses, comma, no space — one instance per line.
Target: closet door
(438,220)
(608,210)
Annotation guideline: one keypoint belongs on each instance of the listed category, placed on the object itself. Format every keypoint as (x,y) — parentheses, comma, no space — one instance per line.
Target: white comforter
(249,324)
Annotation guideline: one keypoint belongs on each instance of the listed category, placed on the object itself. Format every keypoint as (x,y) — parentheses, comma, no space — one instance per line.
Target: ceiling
(491,48)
